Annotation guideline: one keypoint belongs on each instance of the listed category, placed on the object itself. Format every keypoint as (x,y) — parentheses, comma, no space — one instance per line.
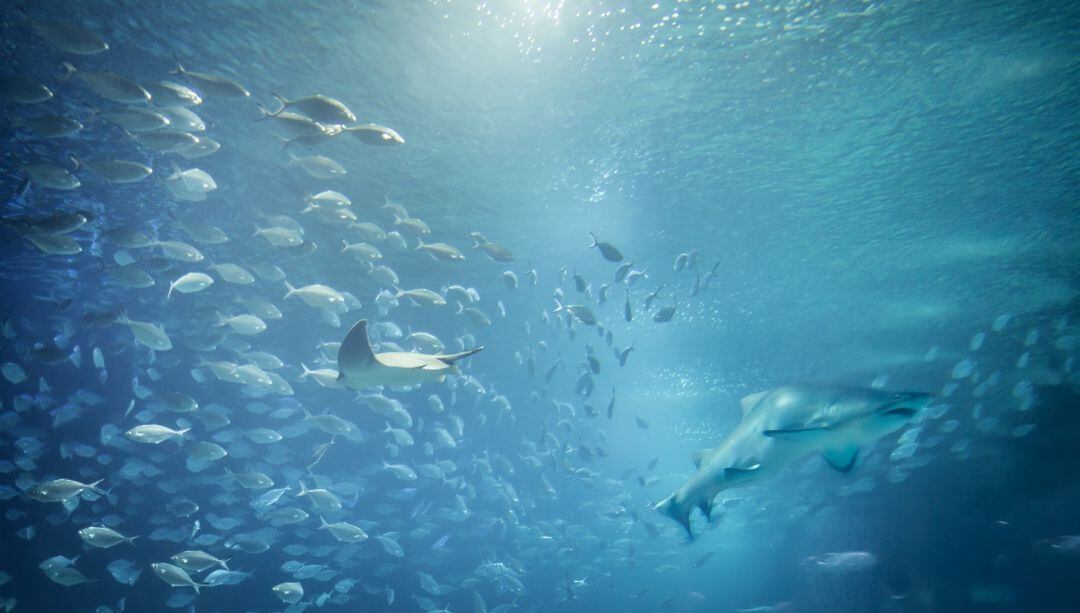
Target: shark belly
(379,374)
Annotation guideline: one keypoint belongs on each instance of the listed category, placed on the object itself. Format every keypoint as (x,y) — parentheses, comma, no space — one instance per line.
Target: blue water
(877,195)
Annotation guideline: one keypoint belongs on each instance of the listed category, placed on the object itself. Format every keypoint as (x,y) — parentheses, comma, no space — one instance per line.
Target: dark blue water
(876,195)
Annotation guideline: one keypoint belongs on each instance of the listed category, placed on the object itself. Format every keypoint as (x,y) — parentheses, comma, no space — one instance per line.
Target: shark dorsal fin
(355,351)
(700,457)
(749,402)
(843,458)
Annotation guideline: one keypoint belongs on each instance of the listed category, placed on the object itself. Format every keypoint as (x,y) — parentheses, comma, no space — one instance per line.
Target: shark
(786,423)
(359,367)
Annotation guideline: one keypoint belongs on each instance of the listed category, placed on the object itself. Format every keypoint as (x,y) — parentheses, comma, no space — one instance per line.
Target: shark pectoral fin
(735,475)
(842,458)
(676,511)
(797,434)
(700,457)
(355,352)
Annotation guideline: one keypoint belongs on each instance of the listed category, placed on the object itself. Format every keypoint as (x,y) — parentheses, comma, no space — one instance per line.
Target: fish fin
(264,113)
(282,101)
(69,71)
(179,67)
(94,488)
(737,475)
(797,434)
(454,357)
(676,511)
(355,351)
(842,459)
(700,456)
(748,402)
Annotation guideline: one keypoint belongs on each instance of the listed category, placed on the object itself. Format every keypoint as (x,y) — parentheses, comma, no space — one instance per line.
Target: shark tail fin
(678,512)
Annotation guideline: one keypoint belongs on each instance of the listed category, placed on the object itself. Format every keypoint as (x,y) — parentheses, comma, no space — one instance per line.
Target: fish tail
(179,67)
(266,113)
(169,295)
(594,241)
(289,289)
(69,71)
(94,487)
(281,99)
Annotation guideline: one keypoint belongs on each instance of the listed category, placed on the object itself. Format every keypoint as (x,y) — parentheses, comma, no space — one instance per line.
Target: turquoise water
(880,195)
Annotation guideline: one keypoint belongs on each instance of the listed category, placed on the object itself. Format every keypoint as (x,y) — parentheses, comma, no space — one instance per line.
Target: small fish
(649,299)
(580,312)
(609,251)
(212,84)
(175,576)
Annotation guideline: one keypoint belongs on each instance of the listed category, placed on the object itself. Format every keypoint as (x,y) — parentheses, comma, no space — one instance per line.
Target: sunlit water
(878,194)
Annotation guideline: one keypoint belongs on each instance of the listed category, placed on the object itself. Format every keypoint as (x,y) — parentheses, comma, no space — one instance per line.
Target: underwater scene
(539,305)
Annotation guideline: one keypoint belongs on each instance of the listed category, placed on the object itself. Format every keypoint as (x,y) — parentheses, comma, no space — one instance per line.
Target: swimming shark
(786,423)
(359,367)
